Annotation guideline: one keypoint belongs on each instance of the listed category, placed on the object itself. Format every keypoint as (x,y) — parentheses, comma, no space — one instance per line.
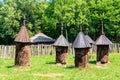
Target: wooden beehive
(102,47)
(61,46)
(22,57)
(81,46)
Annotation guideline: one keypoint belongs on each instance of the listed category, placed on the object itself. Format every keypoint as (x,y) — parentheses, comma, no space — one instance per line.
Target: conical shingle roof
(89,39)
(61,41)
(103,40)
(23,36)
(81,41)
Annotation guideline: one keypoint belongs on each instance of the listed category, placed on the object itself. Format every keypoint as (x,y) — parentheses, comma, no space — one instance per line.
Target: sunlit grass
(44,68)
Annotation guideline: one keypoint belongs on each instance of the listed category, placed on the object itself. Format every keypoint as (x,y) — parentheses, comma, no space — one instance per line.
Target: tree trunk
(61,55)
(22,57)
(81,57)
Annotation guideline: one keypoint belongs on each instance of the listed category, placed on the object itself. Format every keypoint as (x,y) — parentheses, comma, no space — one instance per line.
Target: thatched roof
(61,41)
(103,40)
(23,36)
(81,41)
(41,38)
(89,39)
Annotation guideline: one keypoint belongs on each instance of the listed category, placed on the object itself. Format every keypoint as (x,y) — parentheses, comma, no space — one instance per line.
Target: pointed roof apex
(81,41)
(89,39)
(102,28)
(61,41)
(22,36)
(80,28)
(24,20)
(61,28)
(103,40)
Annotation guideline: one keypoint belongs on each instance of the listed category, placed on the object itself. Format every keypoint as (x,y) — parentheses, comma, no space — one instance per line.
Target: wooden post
(4,51)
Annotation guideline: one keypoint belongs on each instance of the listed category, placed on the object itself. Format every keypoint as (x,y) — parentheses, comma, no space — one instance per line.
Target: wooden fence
(8,51)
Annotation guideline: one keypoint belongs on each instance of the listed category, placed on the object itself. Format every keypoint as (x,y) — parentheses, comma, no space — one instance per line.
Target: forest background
(46,15)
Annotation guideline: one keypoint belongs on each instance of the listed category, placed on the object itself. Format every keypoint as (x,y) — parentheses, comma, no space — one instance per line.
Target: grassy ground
(44,68)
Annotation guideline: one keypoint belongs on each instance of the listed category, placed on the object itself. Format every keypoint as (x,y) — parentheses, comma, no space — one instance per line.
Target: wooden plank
(7,51)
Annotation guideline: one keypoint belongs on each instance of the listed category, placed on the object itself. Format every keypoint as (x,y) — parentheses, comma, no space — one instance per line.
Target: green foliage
(43,15)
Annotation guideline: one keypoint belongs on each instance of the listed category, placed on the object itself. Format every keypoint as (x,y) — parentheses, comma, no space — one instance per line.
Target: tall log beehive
(81,46)
(22,57)
(102,47)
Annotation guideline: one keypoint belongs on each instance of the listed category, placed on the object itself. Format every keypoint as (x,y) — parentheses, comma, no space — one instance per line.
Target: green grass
(46,65)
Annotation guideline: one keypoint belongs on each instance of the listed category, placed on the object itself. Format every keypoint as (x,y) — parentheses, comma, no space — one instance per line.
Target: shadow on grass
(50,63)
(70,67)
(92,62)
(10,66)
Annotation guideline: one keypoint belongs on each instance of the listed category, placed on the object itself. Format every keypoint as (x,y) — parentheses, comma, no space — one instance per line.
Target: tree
(106,11)
(9,22)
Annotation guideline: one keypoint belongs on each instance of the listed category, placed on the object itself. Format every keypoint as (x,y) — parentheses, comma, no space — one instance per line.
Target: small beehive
(61,46)
(81,46)
(102,48)
(22,57)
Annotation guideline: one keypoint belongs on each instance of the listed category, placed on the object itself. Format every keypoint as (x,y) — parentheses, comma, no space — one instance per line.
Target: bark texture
(81,57)
(22,57)
(102,53)
(61,55)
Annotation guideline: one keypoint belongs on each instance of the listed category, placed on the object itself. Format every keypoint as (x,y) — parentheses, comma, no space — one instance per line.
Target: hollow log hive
(22,57)
(61,55)
(61,46)
(102,53)
(81,46)
(103,49)
(81,57)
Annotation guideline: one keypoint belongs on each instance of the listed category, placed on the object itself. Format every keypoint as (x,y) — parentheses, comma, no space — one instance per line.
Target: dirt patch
(2,75)
(49,75)
(21,68)
(102,65)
